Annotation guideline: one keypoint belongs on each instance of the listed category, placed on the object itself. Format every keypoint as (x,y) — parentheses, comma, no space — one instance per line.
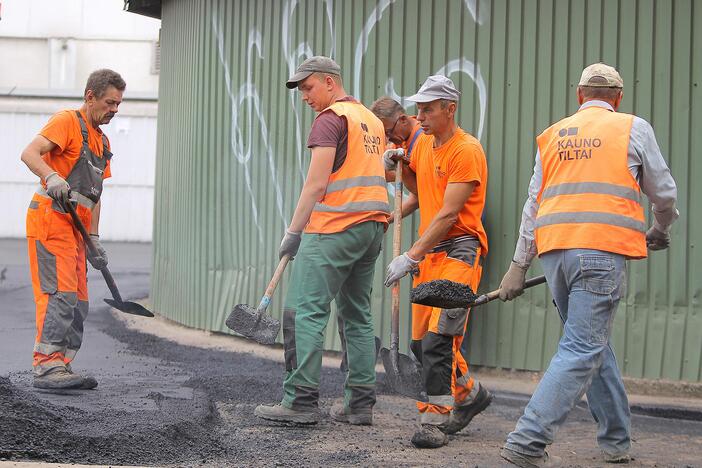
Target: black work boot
(339,412)
(429,436)
(528,461)
(280,413)
(462,415)
(58,378)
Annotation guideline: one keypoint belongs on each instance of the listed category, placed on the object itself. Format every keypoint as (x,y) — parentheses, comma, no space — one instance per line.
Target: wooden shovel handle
(396,249)
(266,300)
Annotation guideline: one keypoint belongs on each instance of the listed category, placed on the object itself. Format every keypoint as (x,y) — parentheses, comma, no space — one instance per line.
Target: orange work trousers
(437,334)
(57,264)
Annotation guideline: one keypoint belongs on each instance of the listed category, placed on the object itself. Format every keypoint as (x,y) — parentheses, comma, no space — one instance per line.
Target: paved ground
(173,396)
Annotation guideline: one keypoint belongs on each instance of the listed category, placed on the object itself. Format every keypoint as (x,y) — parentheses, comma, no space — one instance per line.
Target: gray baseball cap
(315,64)
(436,87)
(601,75)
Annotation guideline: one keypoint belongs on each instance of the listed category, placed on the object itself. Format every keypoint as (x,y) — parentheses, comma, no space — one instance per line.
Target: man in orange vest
(71,156)
(343,210)
(584,218)
(447,171)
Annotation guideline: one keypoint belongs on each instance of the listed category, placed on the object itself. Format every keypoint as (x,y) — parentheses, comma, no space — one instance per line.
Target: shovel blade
(402,375)
(129,307)
(444,294)
(246,321)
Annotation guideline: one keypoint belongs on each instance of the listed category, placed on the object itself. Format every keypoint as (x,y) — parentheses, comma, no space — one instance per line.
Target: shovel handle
(492,295)
(396,248)
(266,299)
(109,280)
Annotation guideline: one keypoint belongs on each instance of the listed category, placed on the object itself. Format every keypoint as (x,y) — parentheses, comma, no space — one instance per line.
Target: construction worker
(343,210)
(448,174)
(584,218)
(71,156)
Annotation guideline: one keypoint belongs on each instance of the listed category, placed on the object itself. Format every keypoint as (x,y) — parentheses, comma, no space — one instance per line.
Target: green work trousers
(328,267)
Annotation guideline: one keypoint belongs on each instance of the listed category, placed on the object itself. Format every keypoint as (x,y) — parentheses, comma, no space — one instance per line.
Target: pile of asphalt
(443,293)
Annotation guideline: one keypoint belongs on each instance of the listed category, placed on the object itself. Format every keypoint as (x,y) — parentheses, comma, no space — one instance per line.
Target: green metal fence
(232,157)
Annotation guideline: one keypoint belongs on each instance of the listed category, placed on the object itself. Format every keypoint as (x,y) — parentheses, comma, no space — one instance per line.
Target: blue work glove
(399,267)
(289,244)
(97,261)
(656,239)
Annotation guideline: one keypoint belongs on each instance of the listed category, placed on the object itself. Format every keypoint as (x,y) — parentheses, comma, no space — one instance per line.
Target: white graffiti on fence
(242,145)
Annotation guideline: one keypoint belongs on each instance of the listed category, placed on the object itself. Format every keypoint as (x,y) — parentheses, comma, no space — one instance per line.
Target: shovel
(127,307)
(256,324)
(401,372)
(451,295)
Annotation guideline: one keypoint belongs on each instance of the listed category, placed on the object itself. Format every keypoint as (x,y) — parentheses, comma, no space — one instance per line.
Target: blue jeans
(586,287)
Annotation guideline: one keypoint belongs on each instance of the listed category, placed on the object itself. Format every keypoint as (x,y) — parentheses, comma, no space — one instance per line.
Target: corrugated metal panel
(231,156)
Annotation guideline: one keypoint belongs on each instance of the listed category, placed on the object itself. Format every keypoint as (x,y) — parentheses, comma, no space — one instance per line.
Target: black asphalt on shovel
(256,324)
(127,307)
(451,295)
(401,372)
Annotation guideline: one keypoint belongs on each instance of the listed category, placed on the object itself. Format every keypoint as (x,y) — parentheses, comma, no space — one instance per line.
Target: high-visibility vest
(588,197)
(357,192)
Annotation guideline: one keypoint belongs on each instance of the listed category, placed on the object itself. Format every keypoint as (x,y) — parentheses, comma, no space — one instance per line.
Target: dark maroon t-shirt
(331,131)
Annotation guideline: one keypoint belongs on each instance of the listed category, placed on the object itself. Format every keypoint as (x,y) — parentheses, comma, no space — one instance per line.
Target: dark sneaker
(527,461)
(429,436)
(619,458)
(281,413)
(58,378)
(461,416)
(359,418)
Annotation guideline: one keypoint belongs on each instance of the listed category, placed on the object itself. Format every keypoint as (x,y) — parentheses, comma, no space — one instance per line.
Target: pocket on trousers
(452,322)
(598,274)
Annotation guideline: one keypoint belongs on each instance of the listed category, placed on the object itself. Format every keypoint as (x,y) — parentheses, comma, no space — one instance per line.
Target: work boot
(463,414)
(528,461)
(282,413)
(58,378)
(339,412)
(619,458)
(429,436)
(89,382)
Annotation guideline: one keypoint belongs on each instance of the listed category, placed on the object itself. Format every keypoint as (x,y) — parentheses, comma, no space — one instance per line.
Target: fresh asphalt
(166,404)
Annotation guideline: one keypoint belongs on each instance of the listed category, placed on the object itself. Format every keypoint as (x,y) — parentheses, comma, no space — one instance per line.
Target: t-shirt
(461,159)
(331,131)
(63,129)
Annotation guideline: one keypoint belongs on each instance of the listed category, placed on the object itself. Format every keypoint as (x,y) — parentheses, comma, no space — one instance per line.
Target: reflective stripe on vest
(357,191)
(588,197)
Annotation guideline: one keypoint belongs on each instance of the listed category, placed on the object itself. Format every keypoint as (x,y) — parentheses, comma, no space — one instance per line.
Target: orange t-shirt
(63,129)
(461,159)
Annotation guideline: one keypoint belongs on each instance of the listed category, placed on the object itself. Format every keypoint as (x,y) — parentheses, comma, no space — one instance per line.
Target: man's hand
(512,284)
(399,267)
(657,240)
(97,261)
(391,156)
(57,188)
(289,244)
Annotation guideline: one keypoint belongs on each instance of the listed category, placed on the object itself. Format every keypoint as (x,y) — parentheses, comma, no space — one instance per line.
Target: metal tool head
(444,294)
(129,307)
(403,375)
(252,324)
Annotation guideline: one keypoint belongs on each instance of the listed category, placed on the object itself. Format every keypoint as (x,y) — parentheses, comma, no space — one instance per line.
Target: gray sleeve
(650,170)
(525,251)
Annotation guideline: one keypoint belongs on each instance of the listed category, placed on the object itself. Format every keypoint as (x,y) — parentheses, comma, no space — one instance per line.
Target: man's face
(392,127)
(315,92)
(434,118)
(102,109)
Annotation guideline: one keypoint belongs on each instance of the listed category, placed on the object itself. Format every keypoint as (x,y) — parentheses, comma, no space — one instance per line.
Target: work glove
(57,187)
(399,267)
(390,158)
(512,284)
(656,239)
(289,244)
(97,261)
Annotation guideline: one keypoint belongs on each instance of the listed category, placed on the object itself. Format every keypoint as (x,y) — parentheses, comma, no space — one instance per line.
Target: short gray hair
(387,108)
(600,92)
(100,80)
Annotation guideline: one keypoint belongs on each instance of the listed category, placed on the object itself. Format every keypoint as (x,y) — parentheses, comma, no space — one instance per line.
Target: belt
(75,196)
(447,244)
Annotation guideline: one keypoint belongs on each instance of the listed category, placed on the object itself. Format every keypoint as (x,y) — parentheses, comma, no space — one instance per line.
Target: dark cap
(316,64)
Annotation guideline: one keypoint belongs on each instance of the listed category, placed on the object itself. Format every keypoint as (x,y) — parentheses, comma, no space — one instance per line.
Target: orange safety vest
(357,192)
(588,197)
